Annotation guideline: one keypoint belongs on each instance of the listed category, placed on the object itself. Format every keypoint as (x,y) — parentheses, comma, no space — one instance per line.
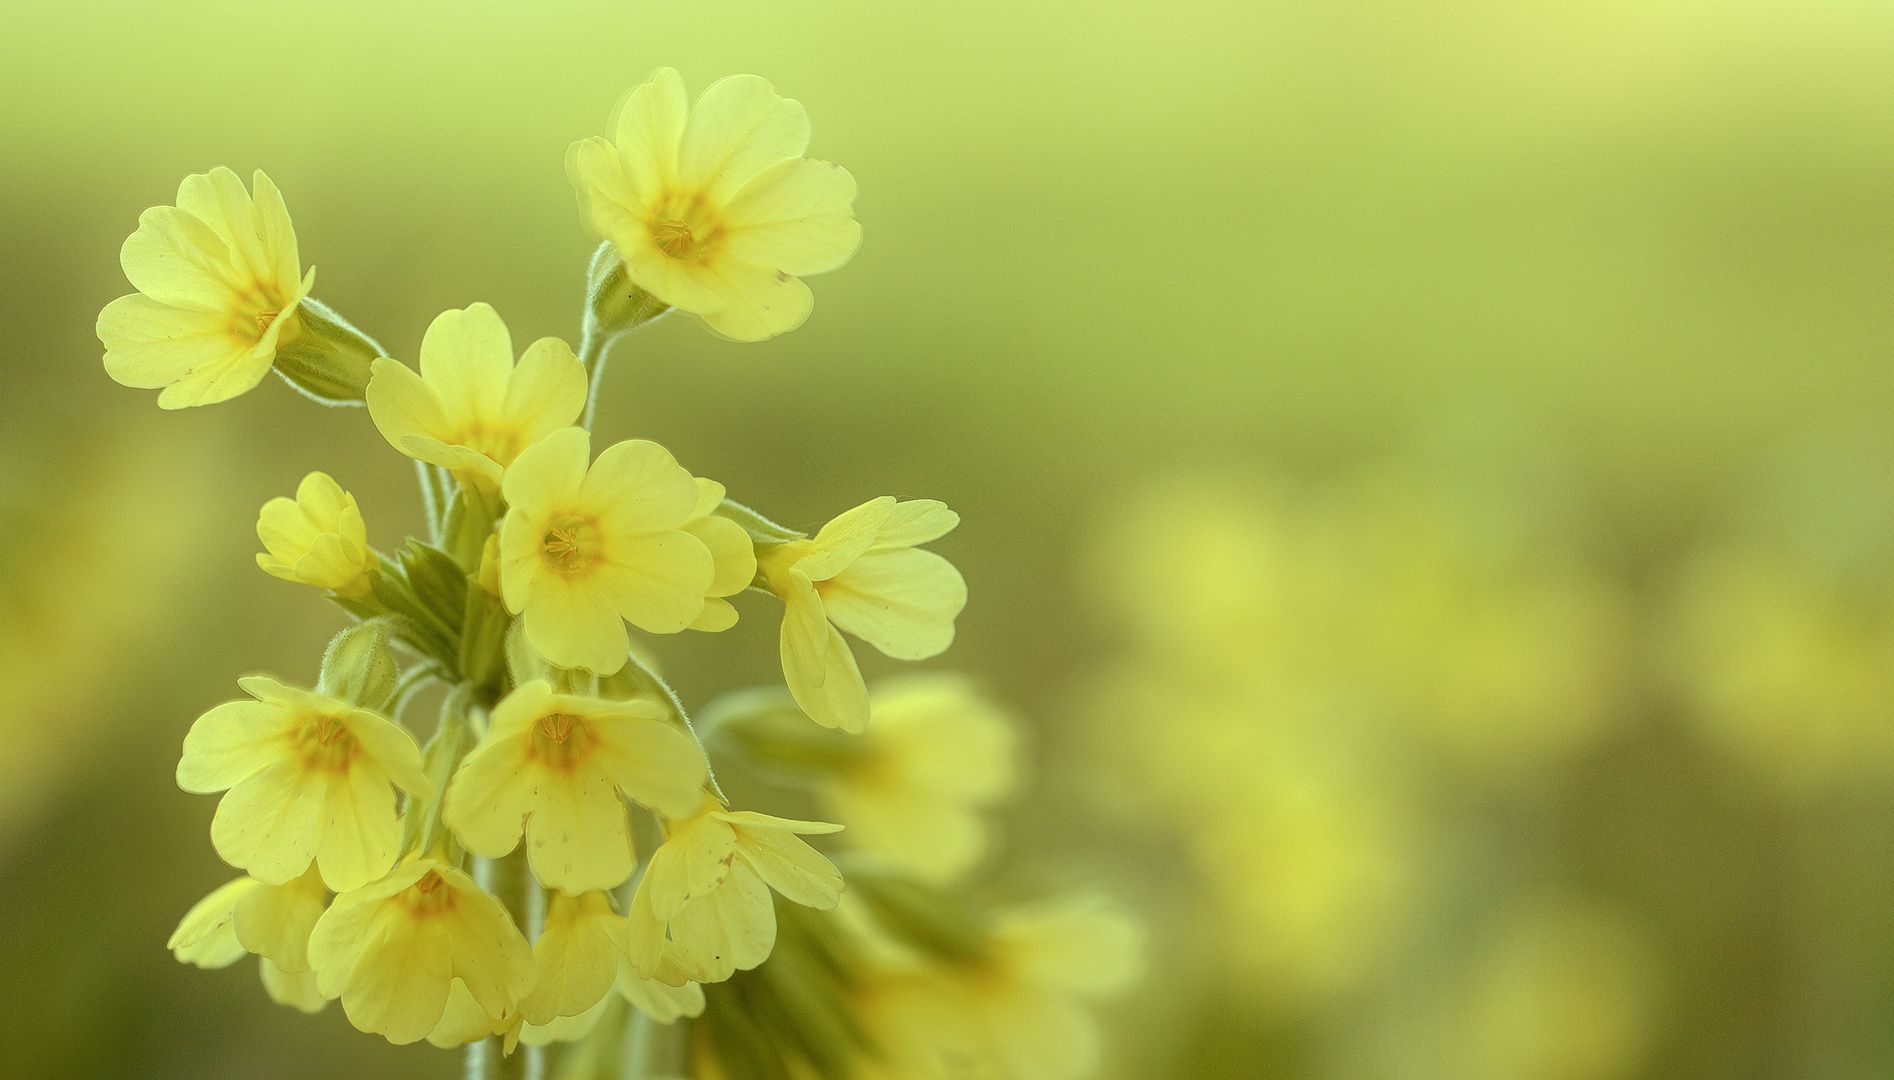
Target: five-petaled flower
(714,209)
(864,574)
(583,549)
(219,283)
(472,410)
(709,882)
(308,778)
(553,766)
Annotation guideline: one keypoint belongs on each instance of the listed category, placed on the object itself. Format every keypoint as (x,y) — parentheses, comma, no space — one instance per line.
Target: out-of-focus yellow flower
(218,282)
(297,989)
(576,957)
(714,210)
(1788,671)
(308,778)
(665,996)
(393,950)
(207,935)
(933,755)
(318,538)
(471,409)
(862,573)
(729,547)
(1015,1014)
(581,550)
(709,882)
(553,765)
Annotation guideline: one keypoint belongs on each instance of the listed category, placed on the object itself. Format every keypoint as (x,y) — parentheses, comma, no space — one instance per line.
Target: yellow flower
(933,754)
(709,882)
(581,550)
(392,951)
(471,409)
(714,209)
(576,957)
(308,778)
(863,574)
(1016,1013)
(272,921)
(218,288)
(553,765)
(730,548)
(318,538)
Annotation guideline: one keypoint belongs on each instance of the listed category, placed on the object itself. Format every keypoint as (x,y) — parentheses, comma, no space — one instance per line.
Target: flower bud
(329,360)
(318,538)
(359,668)
(613,304)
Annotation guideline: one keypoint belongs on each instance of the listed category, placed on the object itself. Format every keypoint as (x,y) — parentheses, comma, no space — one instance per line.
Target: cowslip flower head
(862,573)
(709,882)
(308,778)
(219,284)
(472,410)
(317,538)
(714,210)
(552,766)
(392,951)
(582,550)
(934,754)
(730,549)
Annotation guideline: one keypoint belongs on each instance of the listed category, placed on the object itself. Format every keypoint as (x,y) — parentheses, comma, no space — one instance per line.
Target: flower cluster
(501,878)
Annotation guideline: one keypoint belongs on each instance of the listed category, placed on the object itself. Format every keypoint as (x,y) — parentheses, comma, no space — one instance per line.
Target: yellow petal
(738,128)
(796,216)
(607,204)
(901,600)
(757,302)
(547,475)
(731,929)
(489,952)
(576,957)
(180,262)
(657,581)
(401,404)
(639,487)
(566,1028)
(360,833)
(915,522)
(546,391)
(840,700)
(647,130)
(657,765)
(683,285)
(578,837)
(790,866)
(271,823)
(491,794)
(691,863)
(392,748)
(399,990)
(295,989)
(462,1021)
(206,935)
(658,1000)
(645,945)
(466,360)
(274,921)
(230,744)
(219,200)
(718,615)
(846,538)
(805,634)
(149,345)
(217,380)
(730,550)
(277,235)
(575,627)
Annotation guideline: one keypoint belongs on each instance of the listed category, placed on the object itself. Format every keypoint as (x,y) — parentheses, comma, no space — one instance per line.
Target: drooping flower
(862,573)
(392,951)
(709,883)
(272,921)
(1015,1013)
(318,538)
(553,765)
(730,548)
(308,778)
(582,550)
(933,755)
(219,284)
(471,410)
(714,210)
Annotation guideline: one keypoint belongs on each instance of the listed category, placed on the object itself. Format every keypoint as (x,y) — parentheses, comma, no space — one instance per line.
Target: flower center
(572,545)
(427,896)
(561,739)
(686,228)
(325,743)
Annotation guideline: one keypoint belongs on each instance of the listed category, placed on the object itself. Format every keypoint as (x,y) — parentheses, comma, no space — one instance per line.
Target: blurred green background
(1426,474)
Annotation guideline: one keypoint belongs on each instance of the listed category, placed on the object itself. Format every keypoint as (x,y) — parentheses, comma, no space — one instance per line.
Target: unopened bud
(359,668)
